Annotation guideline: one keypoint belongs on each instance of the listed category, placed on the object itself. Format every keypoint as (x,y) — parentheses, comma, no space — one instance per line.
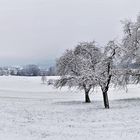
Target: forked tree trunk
(104,91)
(87,99)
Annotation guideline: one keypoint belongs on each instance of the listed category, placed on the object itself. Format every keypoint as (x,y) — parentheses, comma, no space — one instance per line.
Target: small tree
(43,79)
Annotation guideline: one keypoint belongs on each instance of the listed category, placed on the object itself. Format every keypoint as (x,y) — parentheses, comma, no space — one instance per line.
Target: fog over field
(38,31)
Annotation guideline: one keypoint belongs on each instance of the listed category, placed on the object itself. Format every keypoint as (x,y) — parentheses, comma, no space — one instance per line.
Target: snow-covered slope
(30,110)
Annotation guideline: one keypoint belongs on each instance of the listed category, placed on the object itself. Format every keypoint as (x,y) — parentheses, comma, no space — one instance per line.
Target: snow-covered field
(30,110)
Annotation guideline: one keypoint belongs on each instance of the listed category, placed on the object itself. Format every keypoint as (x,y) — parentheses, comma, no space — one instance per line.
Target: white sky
(32,31)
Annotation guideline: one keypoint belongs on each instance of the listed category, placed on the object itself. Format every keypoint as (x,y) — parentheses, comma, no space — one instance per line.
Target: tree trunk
(104,91)
(105,98)
(87,99)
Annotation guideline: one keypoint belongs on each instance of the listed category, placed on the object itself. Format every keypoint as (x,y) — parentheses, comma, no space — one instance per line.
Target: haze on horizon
(35,31)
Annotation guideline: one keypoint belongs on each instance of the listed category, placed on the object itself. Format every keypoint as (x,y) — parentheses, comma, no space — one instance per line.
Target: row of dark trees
(87,66)
(34,70)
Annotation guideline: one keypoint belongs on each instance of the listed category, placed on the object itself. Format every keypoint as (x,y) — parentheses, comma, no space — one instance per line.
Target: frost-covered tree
(105,71)
(43,79)
(77,67)
(131,48)
(131,41)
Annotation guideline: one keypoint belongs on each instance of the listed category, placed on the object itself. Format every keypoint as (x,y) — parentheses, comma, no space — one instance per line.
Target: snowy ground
(30,110)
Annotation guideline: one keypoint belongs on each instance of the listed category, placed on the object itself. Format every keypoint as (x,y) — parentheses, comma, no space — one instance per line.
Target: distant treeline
(28,70)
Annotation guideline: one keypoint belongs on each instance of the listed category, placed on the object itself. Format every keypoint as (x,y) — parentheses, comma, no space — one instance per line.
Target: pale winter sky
(33,31)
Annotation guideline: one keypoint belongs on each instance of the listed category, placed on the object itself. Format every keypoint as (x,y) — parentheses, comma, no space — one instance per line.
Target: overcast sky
(33,31)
